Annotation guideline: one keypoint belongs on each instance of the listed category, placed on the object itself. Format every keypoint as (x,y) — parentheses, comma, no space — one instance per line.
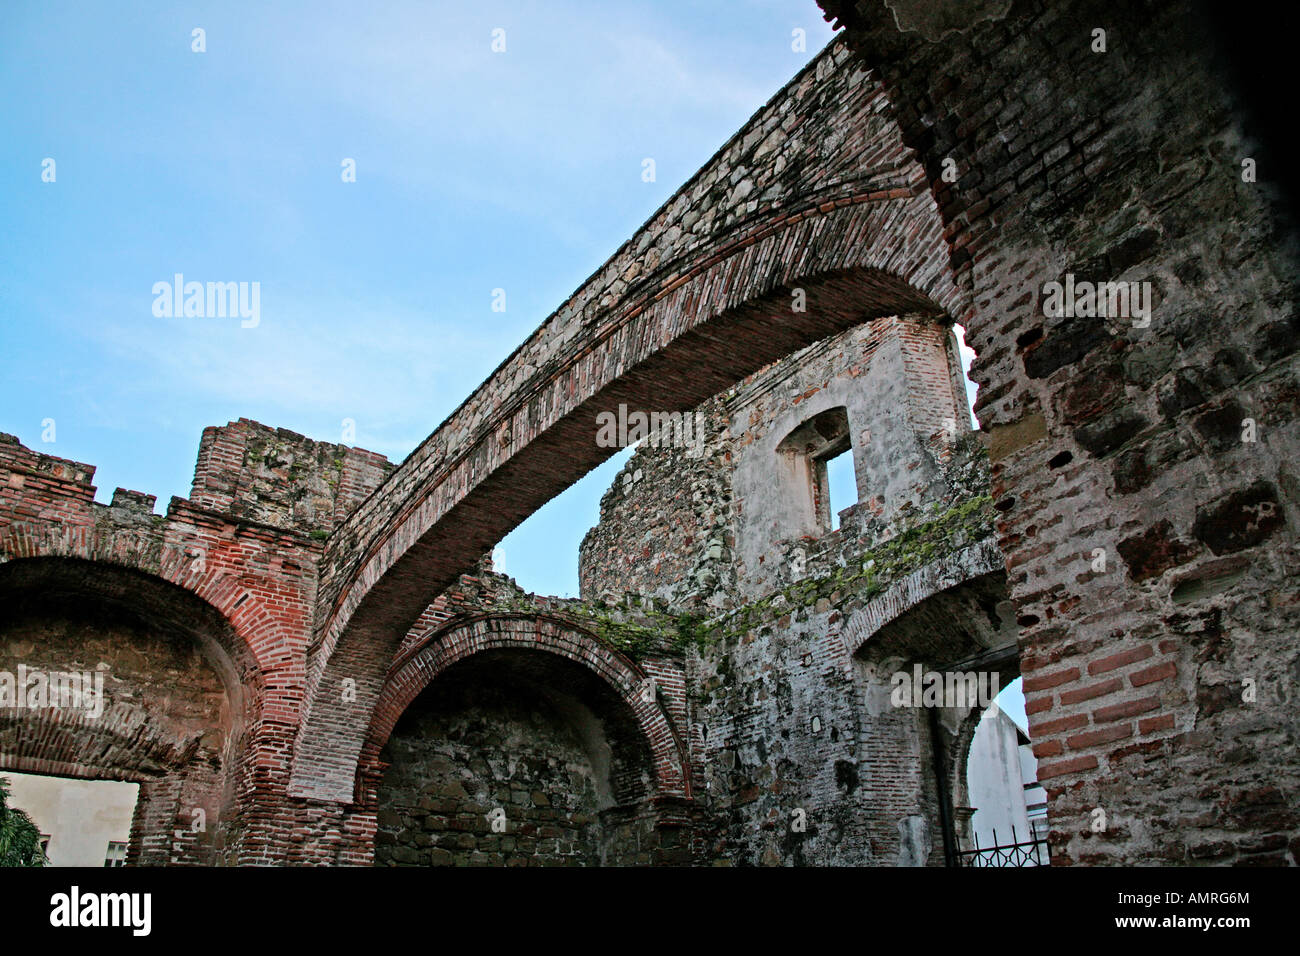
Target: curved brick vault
(462,639)
(180,690)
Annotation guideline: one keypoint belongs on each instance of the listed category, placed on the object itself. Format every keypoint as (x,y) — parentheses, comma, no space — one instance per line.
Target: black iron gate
(1032,852)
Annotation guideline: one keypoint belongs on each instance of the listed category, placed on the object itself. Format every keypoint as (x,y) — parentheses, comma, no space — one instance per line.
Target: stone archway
(831,229)
(419,548)
(951,618)
(531,719)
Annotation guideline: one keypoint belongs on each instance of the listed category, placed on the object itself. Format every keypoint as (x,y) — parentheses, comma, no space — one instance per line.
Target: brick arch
(173,561)
(175,761)
(971,563)
(704,325)
(463,639)
(945,616)
(222,581)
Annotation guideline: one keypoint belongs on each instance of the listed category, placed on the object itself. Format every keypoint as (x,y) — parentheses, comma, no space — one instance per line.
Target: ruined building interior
(313,657)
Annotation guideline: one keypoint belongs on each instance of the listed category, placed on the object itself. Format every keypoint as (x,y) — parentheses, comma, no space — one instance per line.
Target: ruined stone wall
(540,746)
(765,765)
(894,378)
(705,529)
(476,748)
(217,583)
(276,477)
(609,676)
(788,722)
(861,773)
(665,528)
(1120,440)
(799,757)
(1143,475)
(150,678)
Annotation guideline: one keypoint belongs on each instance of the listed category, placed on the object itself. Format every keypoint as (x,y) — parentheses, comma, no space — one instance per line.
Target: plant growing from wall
(20,839)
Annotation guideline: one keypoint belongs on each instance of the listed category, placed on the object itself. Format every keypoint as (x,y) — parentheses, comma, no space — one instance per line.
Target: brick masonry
(239,590)
(1146,550)
(1125,165)
(815,194)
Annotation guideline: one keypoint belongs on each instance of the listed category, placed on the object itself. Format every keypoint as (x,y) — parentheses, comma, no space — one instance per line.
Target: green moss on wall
(870,573)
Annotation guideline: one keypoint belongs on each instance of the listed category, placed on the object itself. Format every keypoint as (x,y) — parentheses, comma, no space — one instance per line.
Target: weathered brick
(1130,708)
(1112,661)
(1134,423)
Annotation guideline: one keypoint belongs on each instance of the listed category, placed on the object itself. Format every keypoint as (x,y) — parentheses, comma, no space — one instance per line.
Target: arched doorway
(928,672)
(619,794)
(118,675)
(512,757)
(1000,809)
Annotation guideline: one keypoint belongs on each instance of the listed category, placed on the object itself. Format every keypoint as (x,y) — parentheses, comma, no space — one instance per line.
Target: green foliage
(634,640)
(692,629)
(20,839)
(643,630)
(871,573)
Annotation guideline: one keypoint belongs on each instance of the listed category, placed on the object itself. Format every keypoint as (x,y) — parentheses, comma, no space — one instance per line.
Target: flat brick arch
(855,258)
(466,638)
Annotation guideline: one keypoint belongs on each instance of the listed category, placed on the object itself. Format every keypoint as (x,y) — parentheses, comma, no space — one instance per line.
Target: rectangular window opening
(842,485)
